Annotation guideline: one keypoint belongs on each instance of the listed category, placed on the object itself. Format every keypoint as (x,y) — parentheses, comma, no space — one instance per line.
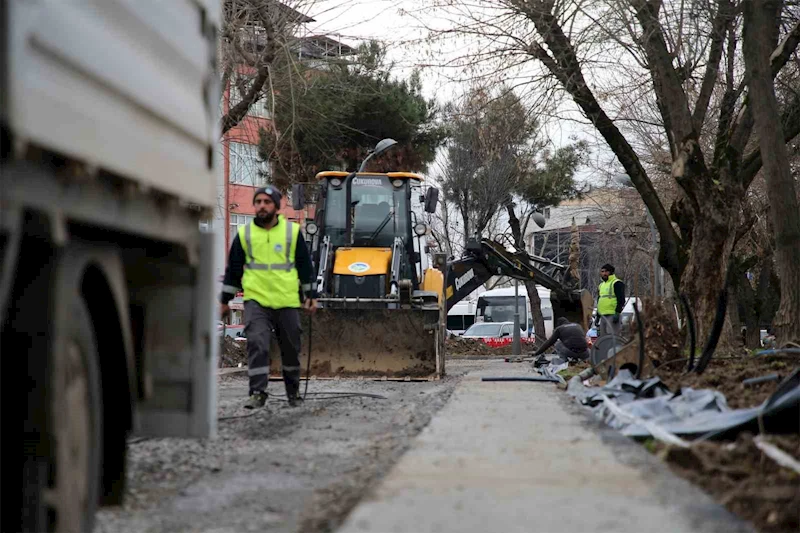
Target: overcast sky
(354,21)
(397,23)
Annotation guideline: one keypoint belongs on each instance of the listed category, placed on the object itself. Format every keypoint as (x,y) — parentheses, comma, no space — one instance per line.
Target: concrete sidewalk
(521,457)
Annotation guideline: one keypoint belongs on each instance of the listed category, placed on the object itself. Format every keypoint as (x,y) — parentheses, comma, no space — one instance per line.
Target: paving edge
(703,510)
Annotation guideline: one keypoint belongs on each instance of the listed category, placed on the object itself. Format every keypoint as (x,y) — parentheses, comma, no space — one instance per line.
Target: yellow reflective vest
(607,302)
(270,275)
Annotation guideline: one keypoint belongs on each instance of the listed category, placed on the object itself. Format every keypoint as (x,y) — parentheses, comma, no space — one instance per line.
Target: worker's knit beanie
(270,191)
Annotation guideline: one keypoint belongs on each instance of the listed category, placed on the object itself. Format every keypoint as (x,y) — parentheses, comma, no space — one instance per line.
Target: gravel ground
(281,469)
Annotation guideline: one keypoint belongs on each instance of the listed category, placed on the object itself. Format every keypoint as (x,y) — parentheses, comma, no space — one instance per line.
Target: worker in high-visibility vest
(610,302)
(270,261)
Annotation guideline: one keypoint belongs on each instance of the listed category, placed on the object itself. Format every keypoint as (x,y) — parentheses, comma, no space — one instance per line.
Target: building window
(246,167)
(547,213)
(260,108)
(236,221)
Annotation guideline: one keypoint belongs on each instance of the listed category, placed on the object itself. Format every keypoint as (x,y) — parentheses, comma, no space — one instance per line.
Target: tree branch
(566,68)
(667,83)
(720,27)
(791,129)
(237,112)
(743,127)
(785,49)
(728,103)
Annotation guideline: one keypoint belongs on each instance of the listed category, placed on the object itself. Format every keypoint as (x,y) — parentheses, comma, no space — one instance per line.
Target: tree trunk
(713,237)
(733,324)
(760,33)
(749,310)
(536,312)
(768,294)
(465,220)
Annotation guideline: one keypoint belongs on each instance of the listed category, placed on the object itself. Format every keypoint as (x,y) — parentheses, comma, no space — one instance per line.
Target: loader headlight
(336,182)
(420,229)
(397,183)
(311,228)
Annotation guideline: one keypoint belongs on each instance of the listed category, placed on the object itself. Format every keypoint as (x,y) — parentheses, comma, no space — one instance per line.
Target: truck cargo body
(108,130)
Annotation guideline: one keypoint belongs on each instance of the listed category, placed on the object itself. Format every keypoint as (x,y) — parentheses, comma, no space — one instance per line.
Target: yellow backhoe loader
(383,306)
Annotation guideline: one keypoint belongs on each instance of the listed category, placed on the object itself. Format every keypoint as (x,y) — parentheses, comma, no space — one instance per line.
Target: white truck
(108,134)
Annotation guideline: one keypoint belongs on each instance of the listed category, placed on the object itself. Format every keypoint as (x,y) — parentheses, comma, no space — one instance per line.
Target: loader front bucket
(371,343)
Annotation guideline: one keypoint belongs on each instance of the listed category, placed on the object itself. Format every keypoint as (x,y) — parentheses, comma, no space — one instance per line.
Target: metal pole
(516,349)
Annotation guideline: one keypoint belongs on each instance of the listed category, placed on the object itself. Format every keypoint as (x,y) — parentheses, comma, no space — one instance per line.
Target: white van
(460,317)
(497,305)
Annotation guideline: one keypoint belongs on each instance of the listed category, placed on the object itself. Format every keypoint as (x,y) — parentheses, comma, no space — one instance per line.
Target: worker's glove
(616,318)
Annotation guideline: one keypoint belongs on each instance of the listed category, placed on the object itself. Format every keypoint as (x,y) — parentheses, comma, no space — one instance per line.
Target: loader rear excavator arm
(486,258)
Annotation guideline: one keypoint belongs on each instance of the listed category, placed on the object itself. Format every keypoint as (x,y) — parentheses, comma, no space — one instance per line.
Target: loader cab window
(336,215)
(378,211)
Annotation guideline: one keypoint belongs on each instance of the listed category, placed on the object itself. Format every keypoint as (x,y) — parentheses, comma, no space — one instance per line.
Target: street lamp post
(380,148)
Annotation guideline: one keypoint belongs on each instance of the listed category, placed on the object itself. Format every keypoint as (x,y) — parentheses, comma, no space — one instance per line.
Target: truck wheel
(68,495)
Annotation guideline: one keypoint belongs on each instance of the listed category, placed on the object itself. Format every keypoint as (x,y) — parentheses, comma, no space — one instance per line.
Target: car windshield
(483,330)
(375,204)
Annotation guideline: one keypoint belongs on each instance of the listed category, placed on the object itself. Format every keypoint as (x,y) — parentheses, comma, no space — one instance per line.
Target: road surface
(510,457)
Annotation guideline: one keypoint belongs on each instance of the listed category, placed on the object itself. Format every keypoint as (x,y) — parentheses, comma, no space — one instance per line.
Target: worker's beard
(264,218)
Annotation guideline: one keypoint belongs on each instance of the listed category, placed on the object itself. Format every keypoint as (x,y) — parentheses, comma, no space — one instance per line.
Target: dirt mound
(661,335)
(726,373)
(743,479)
(231,353)
(460,346)
(738,474)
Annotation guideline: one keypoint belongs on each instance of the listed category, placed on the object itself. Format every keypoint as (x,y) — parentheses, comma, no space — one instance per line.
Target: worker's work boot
(257,399)
(295,399)
(293,393)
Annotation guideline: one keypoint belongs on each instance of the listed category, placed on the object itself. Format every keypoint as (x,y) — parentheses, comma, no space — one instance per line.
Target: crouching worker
(269,260)
(569,341)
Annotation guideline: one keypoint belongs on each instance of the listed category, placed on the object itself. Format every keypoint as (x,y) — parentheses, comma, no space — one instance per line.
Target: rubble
(459,346)
(661,336)
(724,406)
(232,353)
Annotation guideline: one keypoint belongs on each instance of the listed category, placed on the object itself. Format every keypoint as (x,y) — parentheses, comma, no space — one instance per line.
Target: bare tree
(255,36)
(686,57)
(760,34)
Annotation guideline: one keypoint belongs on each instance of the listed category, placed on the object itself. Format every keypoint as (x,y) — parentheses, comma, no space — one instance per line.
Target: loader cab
(373,228)
(366,209)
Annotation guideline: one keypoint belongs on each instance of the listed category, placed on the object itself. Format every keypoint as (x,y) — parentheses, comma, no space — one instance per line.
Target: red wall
(243,195)
(239,198)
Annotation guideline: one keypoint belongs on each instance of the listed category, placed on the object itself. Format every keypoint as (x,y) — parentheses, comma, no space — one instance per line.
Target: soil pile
(738,474)
(743,479)
(460,346)
(661,335)
(231,353)
(726,373)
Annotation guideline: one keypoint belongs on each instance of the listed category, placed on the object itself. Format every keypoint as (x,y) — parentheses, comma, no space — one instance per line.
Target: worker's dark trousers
(607,326)
(563,351)
(260,324)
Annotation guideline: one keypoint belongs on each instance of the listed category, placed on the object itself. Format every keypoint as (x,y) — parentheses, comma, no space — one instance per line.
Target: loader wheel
(63,488)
